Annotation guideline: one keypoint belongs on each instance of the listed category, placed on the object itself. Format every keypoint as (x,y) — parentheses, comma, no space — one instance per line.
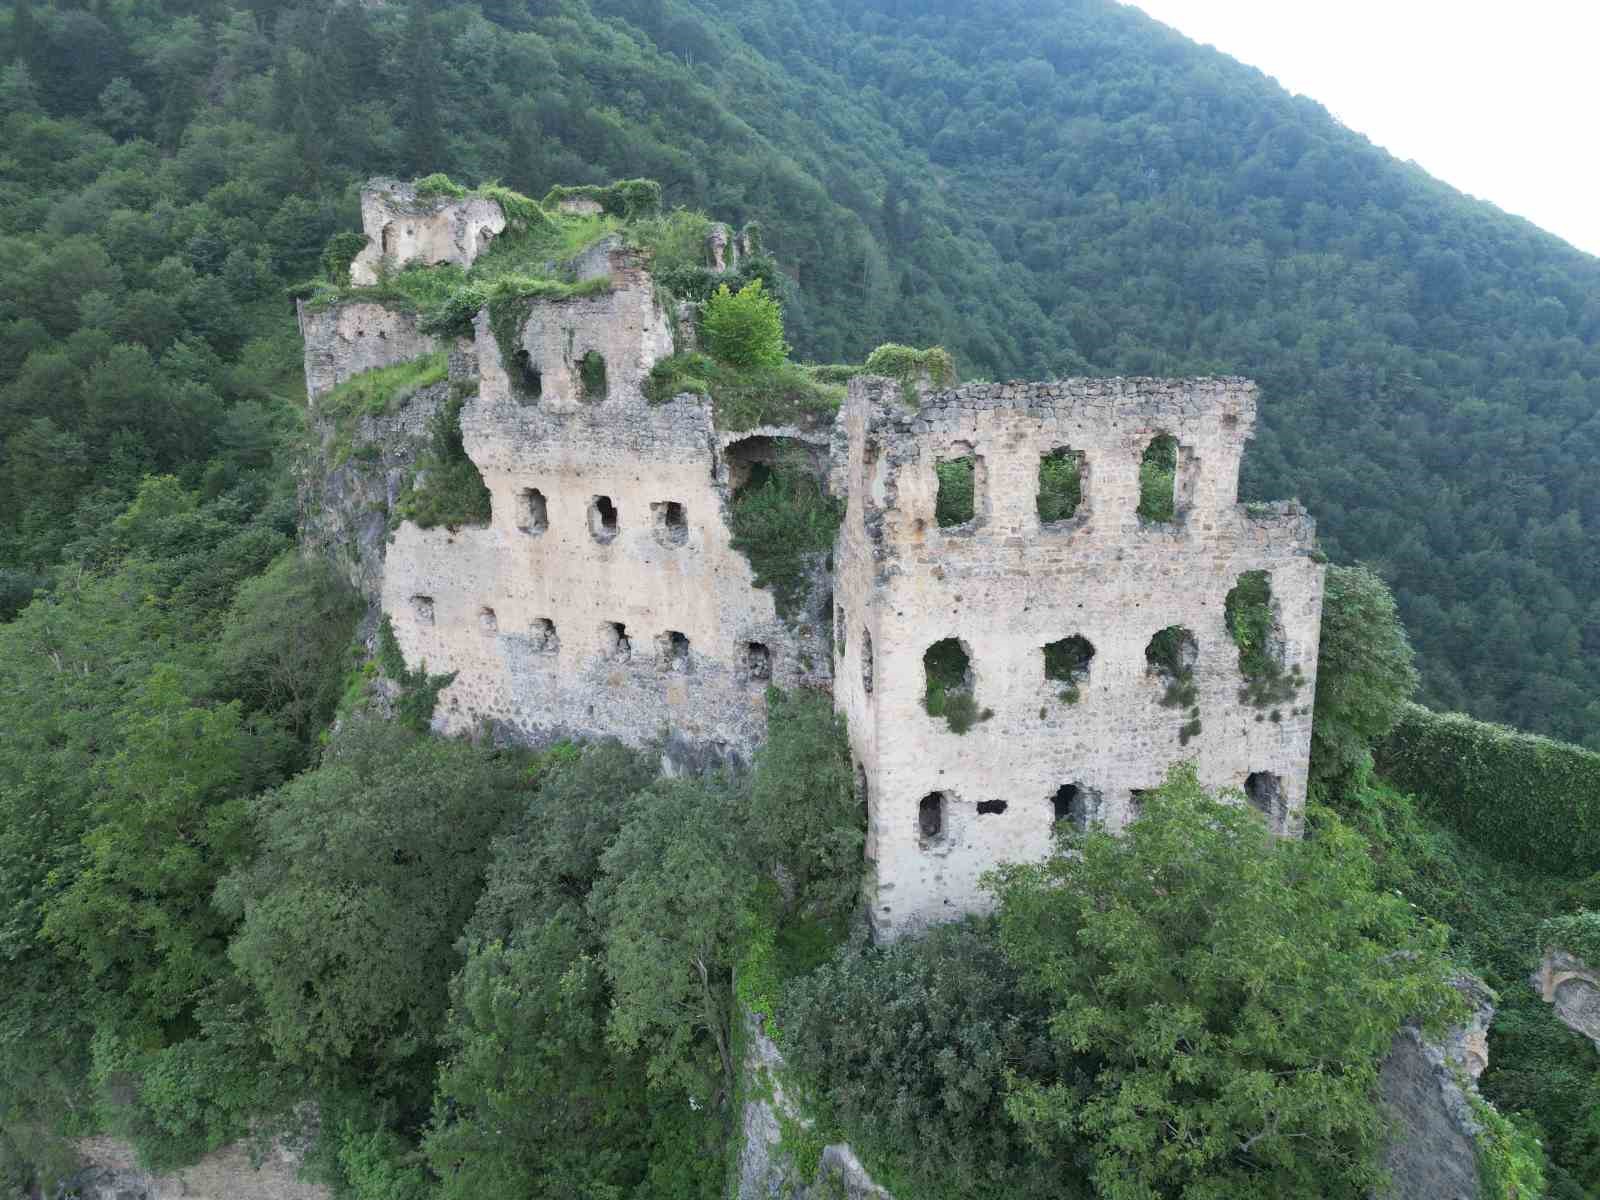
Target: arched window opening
(950,685)
(1066,663)
(602,519)
(535,512)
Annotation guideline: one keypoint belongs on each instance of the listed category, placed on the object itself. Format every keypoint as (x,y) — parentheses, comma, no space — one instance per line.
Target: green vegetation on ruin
(446,488)
(1060,486)
(1248,614)
(956,503)
(1158,472)
(784,522)
(745,398)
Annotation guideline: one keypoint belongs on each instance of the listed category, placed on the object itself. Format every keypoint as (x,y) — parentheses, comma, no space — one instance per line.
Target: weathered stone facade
(1006,585)
(1573,987)
(604,598)
(403,227)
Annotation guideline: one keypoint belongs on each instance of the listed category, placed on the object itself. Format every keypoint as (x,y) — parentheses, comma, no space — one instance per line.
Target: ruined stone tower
(604,596)
(944,807)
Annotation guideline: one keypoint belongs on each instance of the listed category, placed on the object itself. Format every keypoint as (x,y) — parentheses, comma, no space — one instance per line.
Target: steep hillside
(1044,187)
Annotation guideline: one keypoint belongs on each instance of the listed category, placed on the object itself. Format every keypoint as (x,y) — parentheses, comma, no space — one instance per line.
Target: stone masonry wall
(526,609)
(1006,586)
(402,227)
(345,339)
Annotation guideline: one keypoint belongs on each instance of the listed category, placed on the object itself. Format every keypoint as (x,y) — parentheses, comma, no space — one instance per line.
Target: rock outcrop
(767,1168)
(1429,1087)
(112,1172)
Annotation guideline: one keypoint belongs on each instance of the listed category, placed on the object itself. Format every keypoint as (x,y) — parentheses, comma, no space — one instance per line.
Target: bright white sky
(1500,100)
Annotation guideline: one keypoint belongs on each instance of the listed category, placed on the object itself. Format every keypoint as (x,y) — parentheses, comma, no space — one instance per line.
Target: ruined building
(1001,667)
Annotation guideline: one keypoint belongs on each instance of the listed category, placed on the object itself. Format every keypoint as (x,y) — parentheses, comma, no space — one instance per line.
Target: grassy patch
(783,522)
(745,397)
(382,390)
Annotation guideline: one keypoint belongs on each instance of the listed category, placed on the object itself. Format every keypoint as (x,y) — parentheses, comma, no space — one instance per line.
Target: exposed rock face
(113,1173)
(1573,986)
(766,1170)
(403,227)
(345,505)
(1426,1087)
(945,808)
(343,340)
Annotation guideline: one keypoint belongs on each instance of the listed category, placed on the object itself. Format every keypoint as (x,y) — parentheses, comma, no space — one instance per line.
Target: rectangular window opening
(757,661)
(535,512)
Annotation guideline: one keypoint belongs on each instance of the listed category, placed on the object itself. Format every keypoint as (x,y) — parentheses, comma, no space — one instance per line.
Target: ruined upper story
(403,226)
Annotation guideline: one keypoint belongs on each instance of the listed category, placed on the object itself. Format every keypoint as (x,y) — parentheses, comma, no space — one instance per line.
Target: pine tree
(419,114)
(285,89)
(23,31)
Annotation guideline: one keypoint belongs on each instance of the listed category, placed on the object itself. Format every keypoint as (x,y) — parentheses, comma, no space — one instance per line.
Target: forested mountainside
(1045,187)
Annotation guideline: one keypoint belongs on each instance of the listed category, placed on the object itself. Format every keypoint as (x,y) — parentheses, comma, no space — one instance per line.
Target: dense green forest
(217,904)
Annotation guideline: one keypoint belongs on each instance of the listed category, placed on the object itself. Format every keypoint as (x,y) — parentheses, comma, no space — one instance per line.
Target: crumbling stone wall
(402,227)
(347,338)
(1573,987)
(1006,586)
(606,511)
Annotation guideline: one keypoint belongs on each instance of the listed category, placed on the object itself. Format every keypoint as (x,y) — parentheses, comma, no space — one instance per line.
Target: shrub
(782,522)
(449,491)
(1365,673)
(1247,611)
(1223,998)
(909,1049)
(1519,795)
(440,184)
(803,813)
(745,328)
(339,253)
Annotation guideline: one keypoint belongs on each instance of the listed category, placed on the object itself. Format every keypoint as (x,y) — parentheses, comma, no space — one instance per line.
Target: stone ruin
(403,227)
(604,597)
